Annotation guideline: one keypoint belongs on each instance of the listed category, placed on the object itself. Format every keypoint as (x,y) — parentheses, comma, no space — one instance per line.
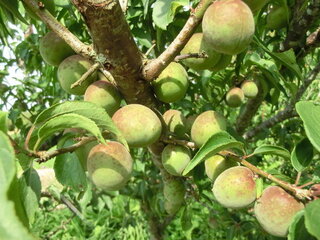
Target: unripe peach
(174,191)
(216,164)
(197,45)
(277,18)
(139,125)
(207,124)
(175,122)
(228,26)
(175,158)
(223,62)
(54,49)
(255,5)
(235,97)
(275,210)
(250,89)
(105,95)
(172,83)
(70,70)
(235,187)
(109,166)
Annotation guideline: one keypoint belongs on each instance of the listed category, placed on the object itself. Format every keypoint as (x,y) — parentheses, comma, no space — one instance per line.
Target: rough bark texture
(303,18)
(113,40)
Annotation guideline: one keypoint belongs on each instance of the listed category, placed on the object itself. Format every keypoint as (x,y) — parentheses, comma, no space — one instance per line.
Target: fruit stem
(299,193)
(84,77)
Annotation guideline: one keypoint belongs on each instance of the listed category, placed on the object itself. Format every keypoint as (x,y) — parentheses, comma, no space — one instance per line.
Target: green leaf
(302,155)
(312,218)
(64,121)
(10,225)
(216,143)
(85,109)
(7,163)
(309,112)
(3,121)
(68,169)
(286,58)
(297,229)
(30,187)
(165,10)
(272,150)
(13,6)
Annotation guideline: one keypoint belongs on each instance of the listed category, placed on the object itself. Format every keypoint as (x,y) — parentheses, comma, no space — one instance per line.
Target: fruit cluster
(228,28)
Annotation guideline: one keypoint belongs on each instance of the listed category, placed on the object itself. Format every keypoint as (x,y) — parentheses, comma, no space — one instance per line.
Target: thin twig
(190,55)
(185,143)
(155,67)
(150,49)
(296,182)
(84,77)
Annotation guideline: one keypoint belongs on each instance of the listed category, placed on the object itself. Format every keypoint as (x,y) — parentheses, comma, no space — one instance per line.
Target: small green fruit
(172,83)
(228,26)
(235,97)
(216,164)
(235,187)
(70,70)
(54,49)
(250,89)
(255,5)
(175,158)
(109,166)
(275,210)
(139,125)
(174,191)
(223,62)
(277,18)
(196,45)
(175,122)
(207,124)
(105,95)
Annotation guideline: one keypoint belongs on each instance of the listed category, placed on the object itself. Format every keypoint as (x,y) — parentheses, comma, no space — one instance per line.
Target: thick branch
(113,41)
(155,67)
(300,23)
(289,111)
(78,46)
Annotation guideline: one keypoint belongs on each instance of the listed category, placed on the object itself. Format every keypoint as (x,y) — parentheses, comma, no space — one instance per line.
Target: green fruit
(105,95)
(275,210)
(223,62)
(235,187)
(235,97)
(216,164)
(54,49)
(255,5)
(207,124)
(173,192)
(176,122)
(196,45)
(70,71)
(175,158)
(189,122)
(277,18)
(250,89)
(139,125)
(228,26)
(48,178)
(172,83)
(48,5)
(109,166)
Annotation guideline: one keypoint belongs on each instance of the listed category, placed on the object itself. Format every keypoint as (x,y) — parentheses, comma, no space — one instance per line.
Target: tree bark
(115,47)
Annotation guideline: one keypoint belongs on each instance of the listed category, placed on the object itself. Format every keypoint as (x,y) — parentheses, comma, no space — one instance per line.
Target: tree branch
(84,77)
(112,40)
(289,111)
(78,46)
(303,17)
(155,67)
